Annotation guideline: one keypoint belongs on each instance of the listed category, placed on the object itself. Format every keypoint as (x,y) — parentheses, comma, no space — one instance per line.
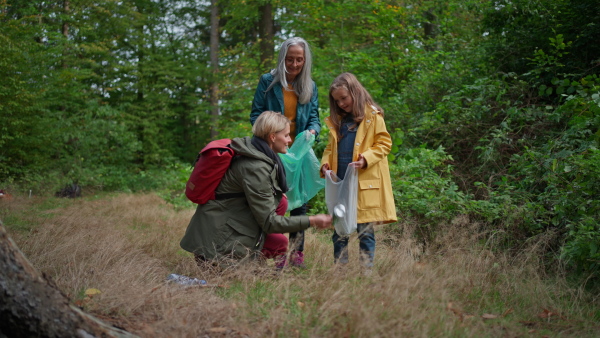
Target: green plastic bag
(302,170)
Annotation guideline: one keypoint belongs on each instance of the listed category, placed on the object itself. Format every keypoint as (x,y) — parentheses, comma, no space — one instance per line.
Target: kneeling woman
(247,220)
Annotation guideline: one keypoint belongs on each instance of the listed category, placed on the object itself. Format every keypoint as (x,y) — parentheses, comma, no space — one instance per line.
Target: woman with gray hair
(290,90)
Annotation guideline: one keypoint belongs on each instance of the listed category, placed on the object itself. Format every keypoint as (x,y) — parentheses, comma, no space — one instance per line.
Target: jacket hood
(243,146)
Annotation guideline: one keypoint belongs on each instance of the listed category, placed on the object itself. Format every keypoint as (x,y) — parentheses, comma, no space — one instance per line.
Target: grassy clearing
(125,246)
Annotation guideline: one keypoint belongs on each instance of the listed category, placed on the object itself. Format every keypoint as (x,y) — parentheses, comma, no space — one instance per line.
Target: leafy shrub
(555,178)
(422,186)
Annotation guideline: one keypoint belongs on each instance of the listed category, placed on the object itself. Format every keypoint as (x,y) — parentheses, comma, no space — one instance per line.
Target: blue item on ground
(185,280)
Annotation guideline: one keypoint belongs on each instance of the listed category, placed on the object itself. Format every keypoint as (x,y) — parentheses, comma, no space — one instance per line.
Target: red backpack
(209,169)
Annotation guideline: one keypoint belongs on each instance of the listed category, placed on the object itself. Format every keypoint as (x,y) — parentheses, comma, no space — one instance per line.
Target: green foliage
(539,165)
(172,189)
(23,123)
(421,191)
(558,180)
(424,189)
(527,154)
(518,27)
(548,62)
(317,204)
(245,69)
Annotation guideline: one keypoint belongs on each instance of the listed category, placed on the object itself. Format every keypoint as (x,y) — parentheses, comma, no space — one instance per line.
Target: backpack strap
(229,195)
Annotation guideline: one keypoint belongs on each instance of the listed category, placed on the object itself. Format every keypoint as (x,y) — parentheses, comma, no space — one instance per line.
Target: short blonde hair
(269,122)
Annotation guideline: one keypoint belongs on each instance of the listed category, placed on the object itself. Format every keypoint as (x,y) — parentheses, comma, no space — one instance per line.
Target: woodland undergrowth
(111,255)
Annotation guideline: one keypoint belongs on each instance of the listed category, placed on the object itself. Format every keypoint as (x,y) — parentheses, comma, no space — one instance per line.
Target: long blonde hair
(360,97)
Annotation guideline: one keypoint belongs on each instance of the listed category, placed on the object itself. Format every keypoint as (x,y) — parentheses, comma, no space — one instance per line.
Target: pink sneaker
(280,262)
(298,259)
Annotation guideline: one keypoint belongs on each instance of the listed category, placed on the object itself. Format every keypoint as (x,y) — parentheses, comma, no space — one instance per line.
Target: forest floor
(111,255)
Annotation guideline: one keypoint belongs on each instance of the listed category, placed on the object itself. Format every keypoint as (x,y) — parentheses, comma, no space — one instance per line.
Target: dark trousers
(366,238)
(297,238)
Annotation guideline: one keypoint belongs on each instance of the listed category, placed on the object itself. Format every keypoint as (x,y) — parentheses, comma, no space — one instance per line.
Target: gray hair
(303,82)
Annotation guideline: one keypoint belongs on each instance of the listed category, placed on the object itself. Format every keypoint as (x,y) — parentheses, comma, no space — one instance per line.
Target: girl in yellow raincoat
(358,137)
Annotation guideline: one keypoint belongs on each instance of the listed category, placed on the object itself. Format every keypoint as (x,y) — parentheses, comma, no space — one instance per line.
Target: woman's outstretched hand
(320,221)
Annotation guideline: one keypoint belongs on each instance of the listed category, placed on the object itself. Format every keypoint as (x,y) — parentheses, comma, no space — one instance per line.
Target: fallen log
(31,305)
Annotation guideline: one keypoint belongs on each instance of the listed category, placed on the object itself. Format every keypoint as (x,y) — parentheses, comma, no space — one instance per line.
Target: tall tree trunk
(214,62)
(65,33)
(141,75)
(430,27)
(32,306)
(65,25)
(141,53)
(266,34)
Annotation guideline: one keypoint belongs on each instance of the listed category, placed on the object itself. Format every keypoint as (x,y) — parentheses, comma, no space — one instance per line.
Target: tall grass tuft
(461,284)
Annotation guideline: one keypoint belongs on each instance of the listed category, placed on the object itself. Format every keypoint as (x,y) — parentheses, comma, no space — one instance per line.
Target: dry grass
(126,245)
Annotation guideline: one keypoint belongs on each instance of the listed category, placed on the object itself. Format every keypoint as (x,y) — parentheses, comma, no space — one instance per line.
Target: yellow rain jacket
(375,196)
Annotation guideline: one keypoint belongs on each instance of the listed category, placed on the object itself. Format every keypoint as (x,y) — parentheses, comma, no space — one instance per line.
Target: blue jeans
(297,238)
(366,238)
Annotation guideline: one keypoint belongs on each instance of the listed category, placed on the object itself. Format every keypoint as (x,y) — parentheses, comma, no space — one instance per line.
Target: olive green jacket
(236,227)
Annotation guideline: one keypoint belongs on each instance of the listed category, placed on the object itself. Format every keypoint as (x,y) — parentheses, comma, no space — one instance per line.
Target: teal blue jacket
(307,115)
